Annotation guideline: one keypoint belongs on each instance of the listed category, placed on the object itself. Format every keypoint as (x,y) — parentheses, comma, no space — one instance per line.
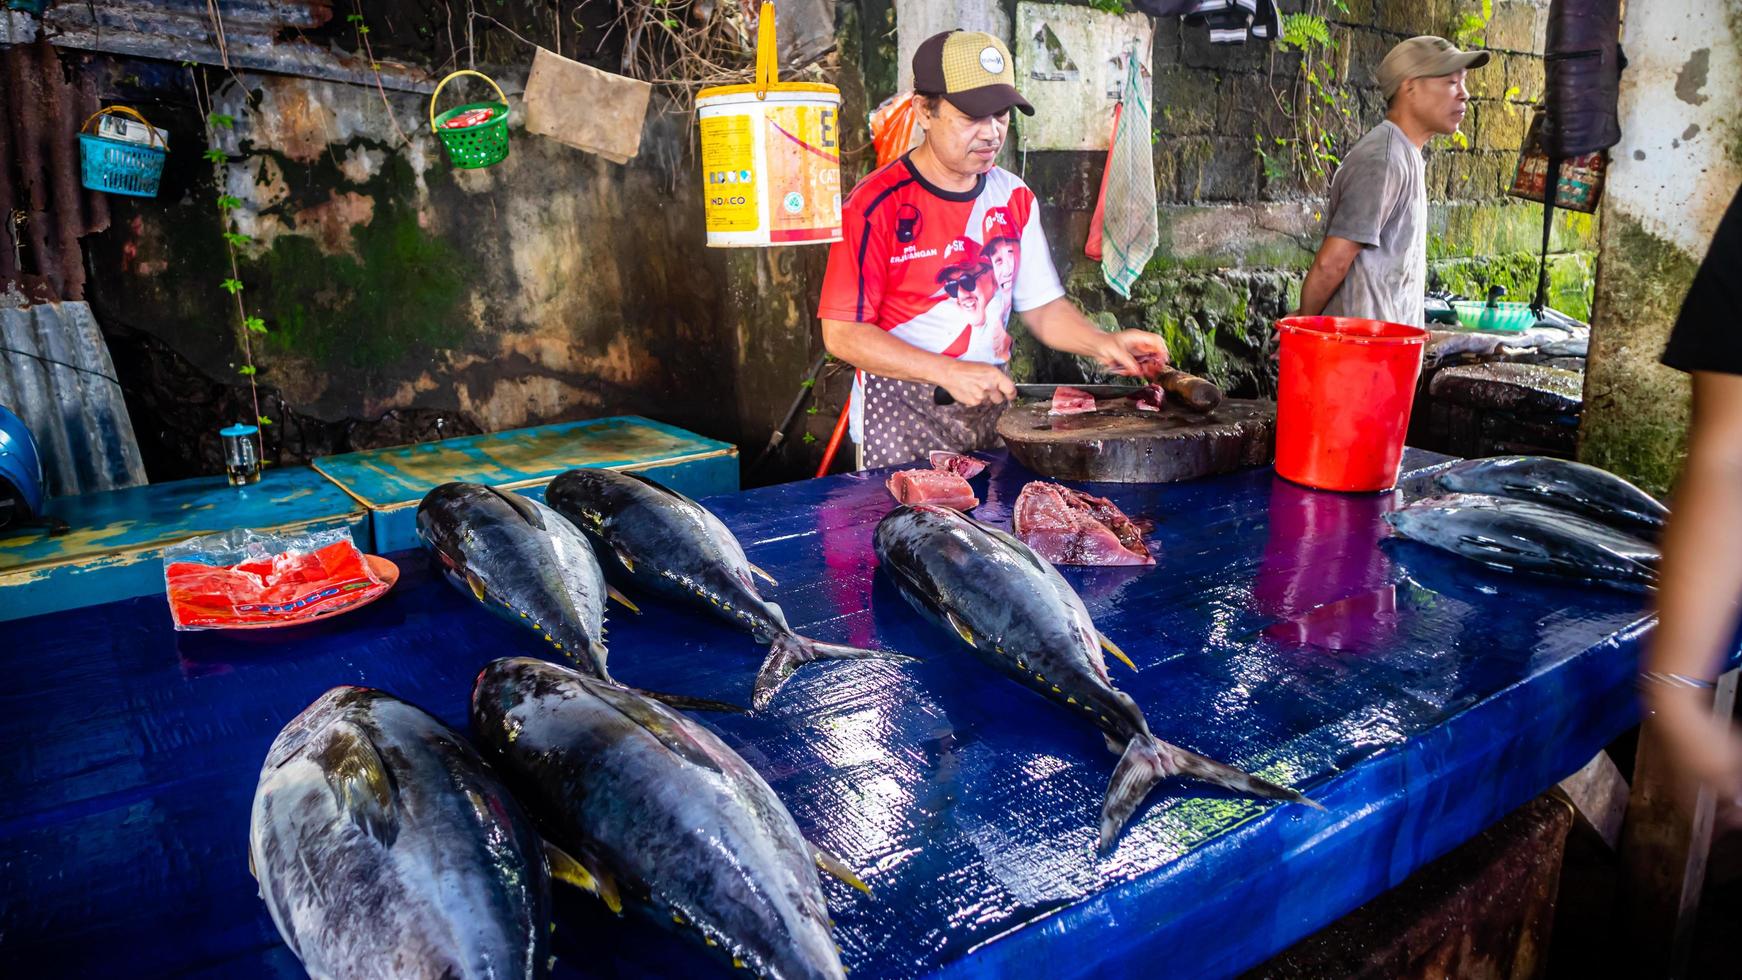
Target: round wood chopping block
(1120,444)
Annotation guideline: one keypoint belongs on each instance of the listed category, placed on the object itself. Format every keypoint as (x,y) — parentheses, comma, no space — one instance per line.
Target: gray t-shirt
(1379,199)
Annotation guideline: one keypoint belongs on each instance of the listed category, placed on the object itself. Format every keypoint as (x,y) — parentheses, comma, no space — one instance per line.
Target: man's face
(1004,264)
(971,289)
(963,143)
(1438,103)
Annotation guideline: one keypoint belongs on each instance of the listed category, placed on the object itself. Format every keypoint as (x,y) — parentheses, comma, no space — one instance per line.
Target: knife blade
(942,397)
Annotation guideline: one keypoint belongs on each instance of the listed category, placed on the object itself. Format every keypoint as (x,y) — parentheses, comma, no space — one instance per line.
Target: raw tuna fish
(932,487)
(1071,401)
(966,467)
(1067,527)
(1150,399)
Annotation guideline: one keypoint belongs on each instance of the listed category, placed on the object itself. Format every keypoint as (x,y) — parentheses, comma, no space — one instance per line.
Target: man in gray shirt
(1373,262)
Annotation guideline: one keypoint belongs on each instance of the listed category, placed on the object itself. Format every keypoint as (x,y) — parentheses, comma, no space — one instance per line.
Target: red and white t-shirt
(941,270)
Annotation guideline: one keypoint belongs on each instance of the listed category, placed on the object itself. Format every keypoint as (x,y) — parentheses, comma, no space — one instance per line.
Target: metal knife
(942,397)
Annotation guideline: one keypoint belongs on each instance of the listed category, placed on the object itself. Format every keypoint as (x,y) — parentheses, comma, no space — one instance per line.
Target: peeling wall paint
(1674,173)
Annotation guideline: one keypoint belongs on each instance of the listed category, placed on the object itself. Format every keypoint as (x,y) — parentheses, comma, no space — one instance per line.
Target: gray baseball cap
(1424,57)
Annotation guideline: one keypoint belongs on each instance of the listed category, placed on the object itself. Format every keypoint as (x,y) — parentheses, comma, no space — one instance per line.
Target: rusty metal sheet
(55,373)
(259,35)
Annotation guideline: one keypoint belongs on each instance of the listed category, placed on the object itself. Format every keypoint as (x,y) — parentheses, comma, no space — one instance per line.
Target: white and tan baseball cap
(973,70)
(1424,57)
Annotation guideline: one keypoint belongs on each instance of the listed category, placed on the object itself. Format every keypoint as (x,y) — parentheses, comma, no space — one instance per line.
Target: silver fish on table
(1577,487)
(384,848)
(1020,616)
(1522,536)
(659,811)
(655,538)
(523,561)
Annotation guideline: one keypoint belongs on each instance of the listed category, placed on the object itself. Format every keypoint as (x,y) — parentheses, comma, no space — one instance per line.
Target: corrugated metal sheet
(262,35)
(56,374)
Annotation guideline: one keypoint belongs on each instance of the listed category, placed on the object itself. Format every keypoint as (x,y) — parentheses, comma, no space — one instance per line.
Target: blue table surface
(1416,696)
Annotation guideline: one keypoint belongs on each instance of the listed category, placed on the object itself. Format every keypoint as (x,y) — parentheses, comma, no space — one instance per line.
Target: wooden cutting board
(1119,444)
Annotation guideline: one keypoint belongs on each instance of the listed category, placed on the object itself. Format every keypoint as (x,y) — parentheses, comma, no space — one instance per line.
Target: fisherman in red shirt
(938,248)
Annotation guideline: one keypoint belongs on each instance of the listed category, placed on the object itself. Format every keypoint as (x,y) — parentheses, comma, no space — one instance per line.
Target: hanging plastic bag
(893,129)
(248,579)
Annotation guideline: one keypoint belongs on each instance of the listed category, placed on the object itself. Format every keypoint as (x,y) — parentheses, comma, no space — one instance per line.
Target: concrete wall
(1675,170)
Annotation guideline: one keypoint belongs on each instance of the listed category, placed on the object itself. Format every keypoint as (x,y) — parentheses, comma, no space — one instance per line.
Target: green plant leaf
(222,120)
(232,286)
(236,238)
(227,202)
(263,420)
(254,324)
(246,370)
(808,383)
(809,437)
(215,155)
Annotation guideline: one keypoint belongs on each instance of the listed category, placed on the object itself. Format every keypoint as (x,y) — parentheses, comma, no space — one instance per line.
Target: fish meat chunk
(1020,617)
(1149,398)
(966,467)
(652,537)
(1069,527)
(659,809)
(1071,401)
(1576,487)
(385,848)
(932,487)
(1522,536)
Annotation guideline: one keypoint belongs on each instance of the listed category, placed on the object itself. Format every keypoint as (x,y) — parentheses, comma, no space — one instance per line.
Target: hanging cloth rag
(584,107)
(1130,230)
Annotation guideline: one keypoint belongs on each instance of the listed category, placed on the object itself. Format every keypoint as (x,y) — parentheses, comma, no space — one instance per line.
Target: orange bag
(245,579)
(892,127)
(1092,248)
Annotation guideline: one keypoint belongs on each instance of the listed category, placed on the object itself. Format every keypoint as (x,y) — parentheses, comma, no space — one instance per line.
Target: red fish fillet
(1071,401)
(1067,527)
(1149,399)
(966,467)
(932,487)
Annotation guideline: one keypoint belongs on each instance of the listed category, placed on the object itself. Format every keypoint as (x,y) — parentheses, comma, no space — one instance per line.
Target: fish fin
(360,783)
(837,867)
(764,576)
(565,868)
(476,584)
(623,557)
(960,627)
(1148,760)
(791,651)
(600,655)
(1113,745)
(611,590)
(527,510)
(684,702)
(253,872)
(1113,648)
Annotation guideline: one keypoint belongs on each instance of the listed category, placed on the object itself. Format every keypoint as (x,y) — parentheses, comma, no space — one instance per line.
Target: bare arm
(1063,327)
(870,348)
(1330,267)
(1700,584)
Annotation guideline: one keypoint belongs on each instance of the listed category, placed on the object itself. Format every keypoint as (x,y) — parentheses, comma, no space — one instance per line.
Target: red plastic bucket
(1343,400)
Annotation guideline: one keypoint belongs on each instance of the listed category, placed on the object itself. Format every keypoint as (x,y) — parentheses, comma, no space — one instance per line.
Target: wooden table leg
(1663,851)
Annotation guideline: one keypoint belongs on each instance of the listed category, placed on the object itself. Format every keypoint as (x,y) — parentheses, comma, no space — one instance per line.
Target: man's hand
(1705,748)
(973,383)
(1121,352)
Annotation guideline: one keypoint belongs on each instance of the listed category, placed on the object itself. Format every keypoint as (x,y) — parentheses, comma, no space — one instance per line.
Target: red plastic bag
(247,579)
(1092,248)
(892,127)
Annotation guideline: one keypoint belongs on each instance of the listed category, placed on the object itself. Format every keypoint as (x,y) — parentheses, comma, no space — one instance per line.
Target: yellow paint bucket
(771,160)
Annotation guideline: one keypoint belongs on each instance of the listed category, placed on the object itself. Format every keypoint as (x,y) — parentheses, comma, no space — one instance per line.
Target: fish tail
(1148,760)
(790,651)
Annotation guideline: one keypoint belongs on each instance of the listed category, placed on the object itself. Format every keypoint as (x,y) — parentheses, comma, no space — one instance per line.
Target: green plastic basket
(1499,318)
(473,146)
(117,166)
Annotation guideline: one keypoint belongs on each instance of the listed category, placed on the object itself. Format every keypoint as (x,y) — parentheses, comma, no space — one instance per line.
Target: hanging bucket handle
(451,76)
(767,58)
(150,130)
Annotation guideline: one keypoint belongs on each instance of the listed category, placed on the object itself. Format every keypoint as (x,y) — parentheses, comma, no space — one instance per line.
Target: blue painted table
(117,539)
(1418,697)
(391,482)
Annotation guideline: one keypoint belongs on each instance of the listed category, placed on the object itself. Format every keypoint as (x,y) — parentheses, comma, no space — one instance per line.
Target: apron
(902,424)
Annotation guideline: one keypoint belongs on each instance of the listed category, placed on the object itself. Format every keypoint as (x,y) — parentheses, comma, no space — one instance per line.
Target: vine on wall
(1316,104)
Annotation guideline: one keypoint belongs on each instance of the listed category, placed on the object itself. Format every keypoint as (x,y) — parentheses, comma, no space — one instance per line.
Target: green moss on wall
(1636,410)
(401,296)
